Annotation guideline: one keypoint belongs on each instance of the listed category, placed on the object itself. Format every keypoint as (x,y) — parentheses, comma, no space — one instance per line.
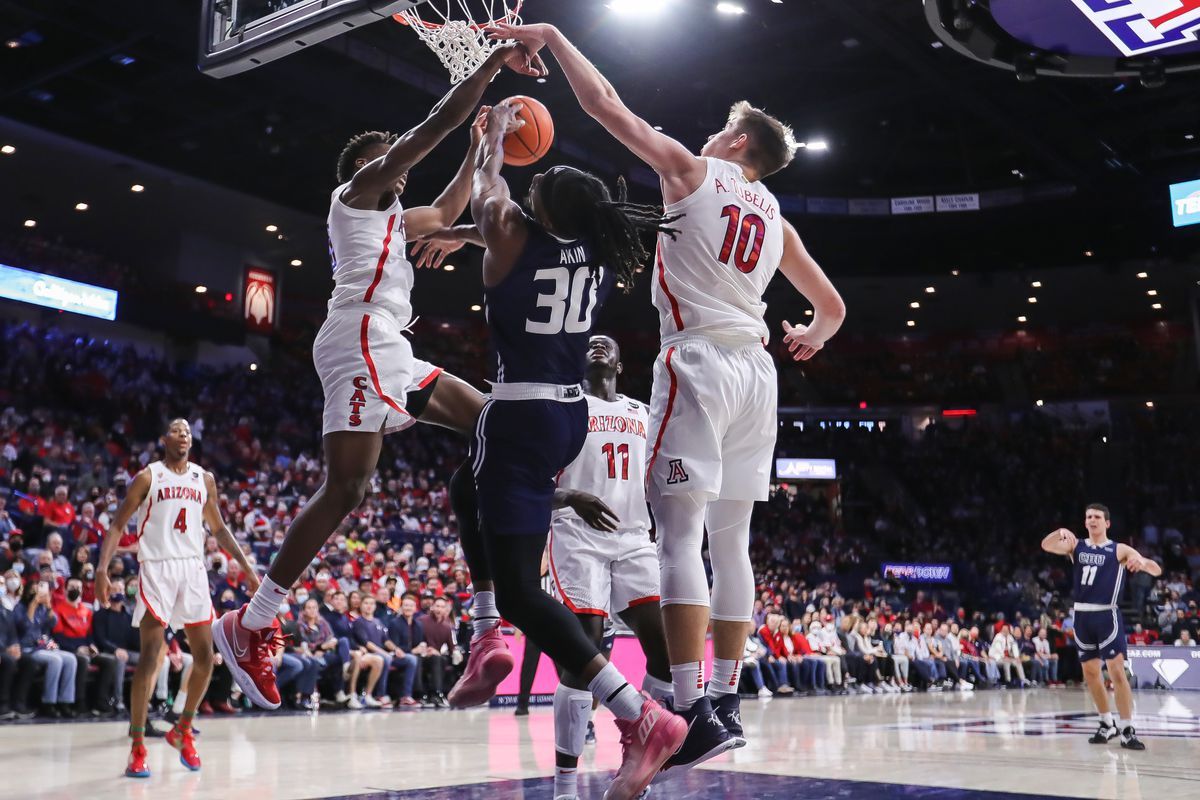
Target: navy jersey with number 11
(1098,573)
(541,315)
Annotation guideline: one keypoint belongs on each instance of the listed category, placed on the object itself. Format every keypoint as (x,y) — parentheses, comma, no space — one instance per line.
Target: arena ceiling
(901,115)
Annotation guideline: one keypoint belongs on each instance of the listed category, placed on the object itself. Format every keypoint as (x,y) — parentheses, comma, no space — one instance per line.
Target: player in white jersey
(173,499)
(713,409)
(605,565)
(366,365)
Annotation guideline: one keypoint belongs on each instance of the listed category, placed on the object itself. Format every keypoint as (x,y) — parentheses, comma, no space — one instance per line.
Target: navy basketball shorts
(519,448)
(1099,634)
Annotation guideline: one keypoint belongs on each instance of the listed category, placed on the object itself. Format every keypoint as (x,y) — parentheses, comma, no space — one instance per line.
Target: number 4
(181,521)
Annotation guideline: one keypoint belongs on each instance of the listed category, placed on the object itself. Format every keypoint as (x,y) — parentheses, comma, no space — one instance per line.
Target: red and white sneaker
(490,663)
(137,763)
(184,742)
(646,744)
(248,655)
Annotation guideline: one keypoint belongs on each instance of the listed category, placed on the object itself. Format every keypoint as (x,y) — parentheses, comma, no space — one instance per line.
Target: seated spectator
(87,530)
(73,634)
(337,614)
(10,592)
(947,652)
(913,645)
(751,670)
(1185,639)
(900,662)
(439,654)
(114,633)
(810,671)
(297,672)
(60,511)
(178,661)
(54,546)
(1007,655)
(370,635)
(10,660)
(406,635)
(321,644)
(1046,658)
(771,635)
(823,652)
(1142,636)
(35,623)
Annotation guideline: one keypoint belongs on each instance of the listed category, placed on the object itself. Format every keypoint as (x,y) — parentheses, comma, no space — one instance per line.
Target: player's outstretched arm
(431,250)
(452,202)
(499,220)
(680,171)
(370,182)
(1060,542)
(136,495)
(225,537)
(829,310)
(1136,562)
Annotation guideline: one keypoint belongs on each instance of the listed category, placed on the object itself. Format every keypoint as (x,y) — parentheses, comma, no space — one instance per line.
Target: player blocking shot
(610,570)
(173,500)
(1100,566)
(371,381)
(713,406)
(545,276)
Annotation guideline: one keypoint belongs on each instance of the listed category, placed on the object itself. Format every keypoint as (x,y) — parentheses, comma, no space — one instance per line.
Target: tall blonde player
(713,408)
(174,499)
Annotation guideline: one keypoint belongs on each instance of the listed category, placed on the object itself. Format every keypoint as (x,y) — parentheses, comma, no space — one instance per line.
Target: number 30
(569,289)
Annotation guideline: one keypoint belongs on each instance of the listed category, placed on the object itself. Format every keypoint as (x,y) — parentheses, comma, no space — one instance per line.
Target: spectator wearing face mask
(73,634)
(114,634)
(10,594)
(35,622)
(10,659)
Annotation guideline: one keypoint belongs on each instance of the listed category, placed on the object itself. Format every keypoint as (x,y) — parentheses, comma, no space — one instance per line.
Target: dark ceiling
(901,117)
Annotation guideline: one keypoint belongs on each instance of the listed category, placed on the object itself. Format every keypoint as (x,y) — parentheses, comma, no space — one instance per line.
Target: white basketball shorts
(713,420)
(367,369)
(174,592)
(602,573)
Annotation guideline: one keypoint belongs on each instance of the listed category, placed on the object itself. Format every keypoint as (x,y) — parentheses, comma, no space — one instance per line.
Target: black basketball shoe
(728,708)
(1104,734)
(706,738)
(1130,741)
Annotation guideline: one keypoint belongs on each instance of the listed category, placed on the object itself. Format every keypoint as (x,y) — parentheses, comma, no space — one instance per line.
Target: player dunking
(1100,564)
(613,570)
(366,365)
(713,407)
(174,499)
(545,275)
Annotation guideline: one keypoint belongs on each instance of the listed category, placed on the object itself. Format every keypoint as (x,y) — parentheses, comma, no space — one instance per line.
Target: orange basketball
(532,140)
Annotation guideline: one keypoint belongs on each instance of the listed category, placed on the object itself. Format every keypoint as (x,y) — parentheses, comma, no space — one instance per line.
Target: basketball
(527,144)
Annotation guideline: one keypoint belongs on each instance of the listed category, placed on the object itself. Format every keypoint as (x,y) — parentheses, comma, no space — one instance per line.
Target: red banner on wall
(260,300)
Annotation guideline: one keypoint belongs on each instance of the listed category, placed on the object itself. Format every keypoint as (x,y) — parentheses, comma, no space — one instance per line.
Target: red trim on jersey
(366,351)
(430,378)
(662,281)
(149,505)
(211,617)
(574,609)
(145,602)
(383,255)
(662,428)
(641,601)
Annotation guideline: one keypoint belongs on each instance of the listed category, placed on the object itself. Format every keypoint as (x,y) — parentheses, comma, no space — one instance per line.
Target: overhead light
(1022,318)
(8,149)
(1088,253)
(733,9)
(201,289)
(658,127)
(1143,274)
(1152,293)
(808,312)
(620,284)
(1033,299)
(1156,306)
(122,60)
(541,80)
(637,7)
(253,367)
(930,290)
(954,272)
(1040,403)
(272,228)
(816,145)
(1036,284)
(449,268)
(12,44)
(912,323)
(777,2)
(1189,136)
(31,223)
(914,304)
(229,297)
(1149,404)
(937,45)
(81,206)
(477,307)
(137,188)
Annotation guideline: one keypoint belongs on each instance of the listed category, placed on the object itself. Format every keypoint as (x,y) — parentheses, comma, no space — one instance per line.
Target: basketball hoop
(454,31)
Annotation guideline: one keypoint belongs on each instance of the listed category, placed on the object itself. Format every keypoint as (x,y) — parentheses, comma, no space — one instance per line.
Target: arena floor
(992,746)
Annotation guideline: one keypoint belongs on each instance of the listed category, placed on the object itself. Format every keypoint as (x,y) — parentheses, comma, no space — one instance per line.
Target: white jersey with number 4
(711,278)
(171,518)
(612,464)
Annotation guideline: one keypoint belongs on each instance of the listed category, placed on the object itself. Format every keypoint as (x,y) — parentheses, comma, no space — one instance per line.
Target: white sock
(1126,723)
(658,690)
(180,701)
(1107,718)
(726,674)
(566,781)
(264,605)
(486,614)
(688,680)
(610,688)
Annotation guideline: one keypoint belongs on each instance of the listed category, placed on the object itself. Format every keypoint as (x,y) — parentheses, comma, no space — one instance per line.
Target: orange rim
(476,25)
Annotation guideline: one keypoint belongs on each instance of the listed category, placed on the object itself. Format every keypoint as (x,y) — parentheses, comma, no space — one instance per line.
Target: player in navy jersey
(545,275)
(1100,566)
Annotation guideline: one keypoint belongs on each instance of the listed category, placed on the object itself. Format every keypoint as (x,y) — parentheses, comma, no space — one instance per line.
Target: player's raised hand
(479,125)
(1067,538)
(503,117)
(592,510)
(1135,563)
(800,344)
(517,58)
(532,36)
(430,251)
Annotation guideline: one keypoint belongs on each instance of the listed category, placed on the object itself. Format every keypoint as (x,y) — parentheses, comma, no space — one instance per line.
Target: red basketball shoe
(183,741)
(490,663)
(137,763)
(248,654)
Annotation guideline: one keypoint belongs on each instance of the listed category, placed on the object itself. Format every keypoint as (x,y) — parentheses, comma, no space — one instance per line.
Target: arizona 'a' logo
(1142,26)
(677,473)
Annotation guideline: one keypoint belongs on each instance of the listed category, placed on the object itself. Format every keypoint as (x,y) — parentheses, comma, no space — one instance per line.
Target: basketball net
(454,30)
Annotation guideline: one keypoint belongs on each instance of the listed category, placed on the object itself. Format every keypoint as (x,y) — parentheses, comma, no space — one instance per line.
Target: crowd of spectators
(377,620)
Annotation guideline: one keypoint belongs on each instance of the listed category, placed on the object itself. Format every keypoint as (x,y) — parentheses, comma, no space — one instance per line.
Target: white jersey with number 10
(171,518)
(711,278)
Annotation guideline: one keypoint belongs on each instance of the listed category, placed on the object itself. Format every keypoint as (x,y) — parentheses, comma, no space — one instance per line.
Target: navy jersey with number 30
(541,315)
(1098,573)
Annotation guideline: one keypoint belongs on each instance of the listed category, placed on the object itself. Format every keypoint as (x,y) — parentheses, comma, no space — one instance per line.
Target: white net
(453,29)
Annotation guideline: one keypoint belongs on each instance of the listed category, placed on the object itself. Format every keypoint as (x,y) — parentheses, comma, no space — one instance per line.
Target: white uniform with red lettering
(365,364)
(173,582)
(605,573)
(713,408)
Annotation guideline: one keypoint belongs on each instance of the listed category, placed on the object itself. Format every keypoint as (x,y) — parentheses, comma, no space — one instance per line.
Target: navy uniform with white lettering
(536,421)
(1099,629)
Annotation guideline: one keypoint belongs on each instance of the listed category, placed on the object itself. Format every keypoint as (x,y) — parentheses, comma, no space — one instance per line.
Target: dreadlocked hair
(354,150)
(580,206)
